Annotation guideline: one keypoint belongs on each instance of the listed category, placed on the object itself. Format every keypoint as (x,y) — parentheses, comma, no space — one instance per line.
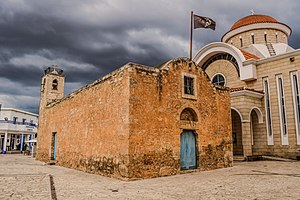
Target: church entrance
(187,150)
(236,133)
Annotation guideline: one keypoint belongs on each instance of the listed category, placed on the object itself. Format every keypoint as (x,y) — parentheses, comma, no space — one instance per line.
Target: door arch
(257,139)
(188,150)
(237,133)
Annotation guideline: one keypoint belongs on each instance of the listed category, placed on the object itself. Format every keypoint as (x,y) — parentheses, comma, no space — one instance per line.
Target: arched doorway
(236,133)
(256,120)
(188,147)
(188,150)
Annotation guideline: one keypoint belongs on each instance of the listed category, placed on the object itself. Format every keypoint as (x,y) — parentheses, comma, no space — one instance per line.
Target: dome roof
(253,19)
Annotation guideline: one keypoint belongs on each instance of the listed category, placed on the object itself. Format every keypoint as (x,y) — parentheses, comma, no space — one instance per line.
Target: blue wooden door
(54,147)
(187,150)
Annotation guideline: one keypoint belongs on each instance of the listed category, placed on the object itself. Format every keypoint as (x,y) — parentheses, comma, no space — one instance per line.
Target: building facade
(17,127)
(137,122)
(256,62)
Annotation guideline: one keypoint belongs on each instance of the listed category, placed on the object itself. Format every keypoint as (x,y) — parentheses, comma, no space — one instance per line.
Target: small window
(23,121)
(219,79)
(252,36)
(188,85)
(241,41)
(54,84)
(266,37)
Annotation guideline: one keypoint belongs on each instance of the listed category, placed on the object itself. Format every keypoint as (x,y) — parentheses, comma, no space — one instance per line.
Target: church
(137,122)
(256,62)
(237,97)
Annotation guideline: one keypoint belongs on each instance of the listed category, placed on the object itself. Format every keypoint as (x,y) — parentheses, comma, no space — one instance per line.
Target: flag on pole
(204,22)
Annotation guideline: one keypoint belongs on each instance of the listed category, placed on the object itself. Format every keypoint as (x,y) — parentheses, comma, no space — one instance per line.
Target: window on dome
(266,37)
(241,40)
(219,79)
(252,36)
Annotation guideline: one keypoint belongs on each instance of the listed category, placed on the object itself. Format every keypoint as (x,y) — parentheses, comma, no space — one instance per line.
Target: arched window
(54,84)
(219,79)
(241,41)
(222,56)
(188,114)
(266,37)
(252,36)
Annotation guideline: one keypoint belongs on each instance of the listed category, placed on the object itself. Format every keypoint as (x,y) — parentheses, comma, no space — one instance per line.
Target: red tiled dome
(253,19)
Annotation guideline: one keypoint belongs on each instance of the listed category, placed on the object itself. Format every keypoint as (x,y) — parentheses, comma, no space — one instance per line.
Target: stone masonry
(128,124)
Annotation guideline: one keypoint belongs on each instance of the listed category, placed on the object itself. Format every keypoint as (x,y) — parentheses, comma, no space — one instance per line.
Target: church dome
(253,19)
(257,29)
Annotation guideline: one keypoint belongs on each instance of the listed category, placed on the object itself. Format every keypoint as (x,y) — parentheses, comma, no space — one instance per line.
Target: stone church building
(262,70)
(137,122)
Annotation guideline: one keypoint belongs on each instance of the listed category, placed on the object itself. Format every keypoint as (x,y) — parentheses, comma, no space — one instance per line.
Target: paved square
(22,177)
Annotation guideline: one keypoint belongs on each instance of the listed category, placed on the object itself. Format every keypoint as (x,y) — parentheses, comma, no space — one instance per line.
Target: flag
(204,22)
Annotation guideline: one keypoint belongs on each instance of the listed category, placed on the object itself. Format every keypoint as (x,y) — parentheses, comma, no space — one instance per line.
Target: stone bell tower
(52,87)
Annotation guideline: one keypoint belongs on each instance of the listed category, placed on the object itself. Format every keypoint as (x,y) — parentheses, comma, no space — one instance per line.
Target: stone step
(238,158)
(277,159)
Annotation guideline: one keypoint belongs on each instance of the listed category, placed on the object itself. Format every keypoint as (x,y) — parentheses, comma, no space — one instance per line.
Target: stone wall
(127,125)
(92,127)
(156,102)
(269,70)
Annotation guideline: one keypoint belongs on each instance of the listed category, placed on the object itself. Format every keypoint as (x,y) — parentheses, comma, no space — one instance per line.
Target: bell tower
(52,87)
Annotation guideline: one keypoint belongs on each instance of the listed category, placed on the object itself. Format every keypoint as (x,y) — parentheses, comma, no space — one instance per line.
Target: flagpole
(191,36)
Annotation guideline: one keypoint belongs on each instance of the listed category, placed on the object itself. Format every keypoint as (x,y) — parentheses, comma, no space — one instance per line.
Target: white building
(255,60)
(17,127)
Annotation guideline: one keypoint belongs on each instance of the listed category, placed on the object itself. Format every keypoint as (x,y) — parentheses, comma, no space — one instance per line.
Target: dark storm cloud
(89,39)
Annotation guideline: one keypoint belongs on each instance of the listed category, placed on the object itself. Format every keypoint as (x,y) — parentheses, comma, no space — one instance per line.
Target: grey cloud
(90,39)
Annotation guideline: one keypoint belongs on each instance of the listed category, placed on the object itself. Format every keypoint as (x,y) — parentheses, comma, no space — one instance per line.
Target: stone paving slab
(22,177)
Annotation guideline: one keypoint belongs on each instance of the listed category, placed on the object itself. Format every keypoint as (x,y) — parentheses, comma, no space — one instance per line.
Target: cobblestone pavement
(22,177)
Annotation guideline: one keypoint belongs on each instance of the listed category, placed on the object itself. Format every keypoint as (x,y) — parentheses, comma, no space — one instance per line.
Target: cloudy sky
(91,38)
